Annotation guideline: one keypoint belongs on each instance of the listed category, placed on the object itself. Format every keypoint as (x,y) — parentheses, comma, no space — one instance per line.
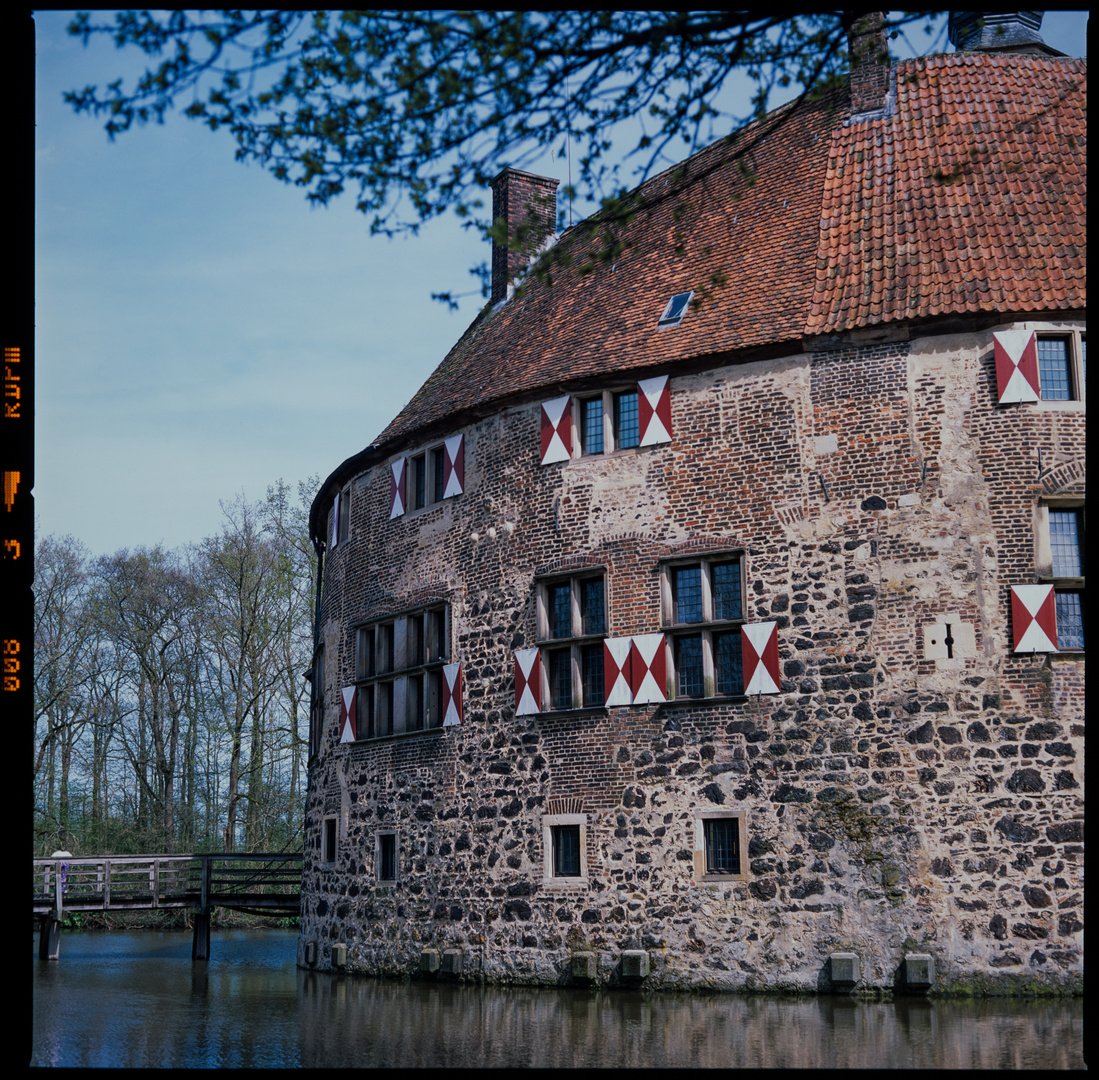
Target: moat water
(134,999)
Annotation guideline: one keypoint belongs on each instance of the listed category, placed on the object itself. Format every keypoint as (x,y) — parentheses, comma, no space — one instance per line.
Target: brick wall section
(894,802)
(527,204)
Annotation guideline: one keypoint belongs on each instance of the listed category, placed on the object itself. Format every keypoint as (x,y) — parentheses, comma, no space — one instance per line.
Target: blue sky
(201,331)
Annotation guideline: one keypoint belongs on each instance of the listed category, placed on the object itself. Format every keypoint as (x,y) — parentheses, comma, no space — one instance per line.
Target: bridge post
(200,943)
(49,937)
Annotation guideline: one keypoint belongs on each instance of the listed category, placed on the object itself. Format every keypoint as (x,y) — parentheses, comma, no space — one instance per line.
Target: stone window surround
(700,872)
(549,822)
(578,639)
(1043,551)
(708,624)
(402,675)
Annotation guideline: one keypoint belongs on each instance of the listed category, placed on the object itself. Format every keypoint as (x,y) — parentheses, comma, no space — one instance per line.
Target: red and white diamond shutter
(1016,353)
(648,669)
(556,430)
(759,651)
(528,682)
(1033,618)
(452,694)
(616,670)
(335,522)
(397,489)
(454,465)
(654,411)
(347,714)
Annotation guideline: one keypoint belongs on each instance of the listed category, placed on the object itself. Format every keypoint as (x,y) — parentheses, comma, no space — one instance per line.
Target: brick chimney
(528,205)
(868,57)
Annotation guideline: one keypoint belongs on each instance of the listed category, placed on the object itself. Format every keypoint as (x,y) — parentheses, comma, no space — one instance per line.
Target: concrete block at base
(919,970)
(429,962)
(583,965)
(451,962)
(844,969)
(635,964)
(339,954)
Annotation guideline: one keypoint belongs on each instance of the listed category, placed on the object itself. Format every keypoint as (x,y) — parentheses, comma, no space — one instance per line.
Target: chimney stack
(527,204)
(868,56)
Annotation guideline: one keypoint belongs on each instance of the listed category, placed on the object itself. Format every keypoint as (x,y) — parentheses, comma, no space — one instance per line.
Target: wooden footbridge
(255,884)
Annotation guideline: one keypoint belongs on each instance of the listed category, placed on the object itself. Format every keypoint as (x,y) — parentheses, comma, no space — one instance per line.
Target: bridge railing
(106,883)
(113,882)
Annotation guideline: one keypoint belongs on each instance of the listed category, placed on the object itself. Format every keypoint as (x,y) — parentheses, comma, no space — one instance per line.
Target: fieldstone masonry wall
(897,799)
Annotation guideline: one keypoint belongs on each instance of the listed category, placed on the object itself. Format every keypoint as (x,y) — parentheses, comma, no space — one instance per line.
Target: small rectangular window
(328,854)
(722,849)
(688,666)
(627,431)
(560,605)
(720,841)
(591,674)
(418,481)
(566,850)
(687,594)
(387,857)
(1064,533)
(1062,366)
(345,515)
(364,704)
(593,612)
(560,678)
(591,425)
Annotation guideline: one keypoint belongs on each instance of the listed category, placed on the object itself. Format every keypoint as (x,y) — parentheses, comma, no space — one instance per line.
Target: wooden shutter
(556,430)
(452,694)
(528,682)
(759,650)
(648,675)
(1033,619)
(616,670)
(397,489)
(347,714)
(654,411)
(1016,353)
(454,466)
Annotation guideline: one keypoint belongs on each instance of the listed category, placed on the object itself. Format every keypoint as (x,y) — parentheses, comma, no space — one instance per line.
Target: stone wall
(896,799)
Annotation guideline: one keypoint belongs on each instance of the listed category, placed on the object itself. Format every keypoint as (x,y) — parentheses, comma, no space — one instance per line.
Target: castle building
(712,616)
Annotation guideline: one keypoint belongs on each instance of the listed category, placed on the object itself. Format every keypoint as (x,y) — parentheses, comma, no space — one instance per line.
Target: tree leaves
(414,111)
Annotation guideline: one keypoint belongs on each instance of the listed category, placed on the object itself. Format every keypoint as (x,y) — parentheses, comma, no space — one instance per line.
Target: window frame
(574,645)
(1076,363)
(1046,571)
(399,661)
(702,872)
(611,440)
(707,628)
(551,826)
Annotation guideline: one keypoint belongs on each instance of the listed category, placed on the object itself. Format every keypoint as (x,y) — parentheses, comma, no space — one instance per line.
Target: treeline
(171,708)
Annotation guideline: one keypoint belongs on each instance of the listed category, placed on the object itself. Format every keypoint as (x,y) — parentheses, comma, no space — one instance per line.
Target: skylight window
(676,309)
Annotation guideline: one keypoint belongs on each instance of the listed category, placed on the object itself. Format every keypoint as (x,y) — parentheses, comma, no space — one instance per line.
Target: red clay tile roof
(970,197)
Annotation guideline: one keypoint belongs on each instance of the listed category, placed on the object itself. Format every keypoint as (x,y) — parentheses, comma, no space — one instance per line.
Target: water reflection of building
(716,606)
